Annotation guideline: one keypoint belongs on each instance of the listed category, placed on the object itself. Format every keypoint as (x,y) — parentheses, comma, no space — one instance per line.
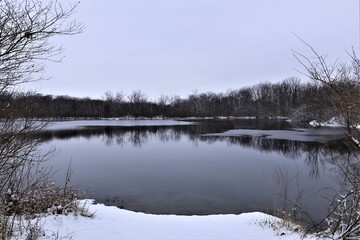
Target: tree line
(27,28)
(289,98)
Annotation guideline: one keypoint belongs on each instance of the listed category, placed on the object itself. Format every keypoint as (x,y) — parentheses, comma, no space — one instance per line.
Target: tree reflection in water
(316,155)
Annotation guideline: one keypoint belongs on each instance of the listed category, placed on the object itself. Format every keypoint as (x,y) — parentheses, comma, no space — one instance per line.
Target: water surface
(198,167)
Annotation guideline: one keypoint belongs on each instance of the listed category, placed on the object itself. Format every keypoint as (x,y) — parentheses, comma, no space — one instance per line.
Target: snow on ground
(72,124)
(333,122)
(113,223)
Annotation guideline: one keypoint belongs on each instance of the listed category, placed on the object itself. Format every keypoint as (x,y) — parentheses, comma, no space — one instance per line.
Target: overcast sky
(176,46)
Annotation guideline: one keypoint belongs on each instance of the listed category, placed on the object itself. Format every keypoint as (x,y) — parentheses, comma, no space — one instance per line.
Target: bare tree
(342,82)
(137,97)
(109,96)
(120,97)
(26,30)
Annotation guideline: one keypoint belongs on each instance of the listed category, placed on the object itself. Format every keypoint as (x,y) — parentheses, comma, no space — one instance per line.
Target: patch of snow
(249,117)
(279,117)
(215,117)
(356,141)
(333,122)
(113,223)
(113,122)
(315,123)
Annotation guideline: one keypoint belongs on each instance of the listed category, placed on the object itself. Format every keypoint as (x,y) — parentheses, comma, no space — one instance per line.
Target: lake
(197,166)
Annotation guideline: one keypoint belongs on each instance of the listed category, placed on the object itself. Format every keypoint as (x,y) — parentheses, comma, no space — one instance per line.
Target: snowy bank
(333,122)
(113,223)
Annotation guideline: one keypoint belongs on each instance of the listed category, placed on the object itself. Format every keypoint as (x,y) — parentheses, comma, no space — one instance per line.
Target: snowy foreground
(113,223)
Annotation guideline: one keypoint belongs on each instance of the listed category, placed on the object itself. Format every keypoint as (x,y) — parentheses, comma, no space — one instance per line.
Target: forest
(290,98)
(28,29)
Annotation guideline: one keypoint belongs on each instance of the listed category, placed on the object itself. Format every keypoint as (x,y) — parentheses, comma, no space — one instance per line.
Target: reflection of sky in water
(173,171)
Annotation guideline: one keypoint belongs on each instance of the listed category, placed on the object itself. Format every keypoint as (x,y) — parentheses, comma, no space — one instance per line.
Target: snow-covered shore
(113,223)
